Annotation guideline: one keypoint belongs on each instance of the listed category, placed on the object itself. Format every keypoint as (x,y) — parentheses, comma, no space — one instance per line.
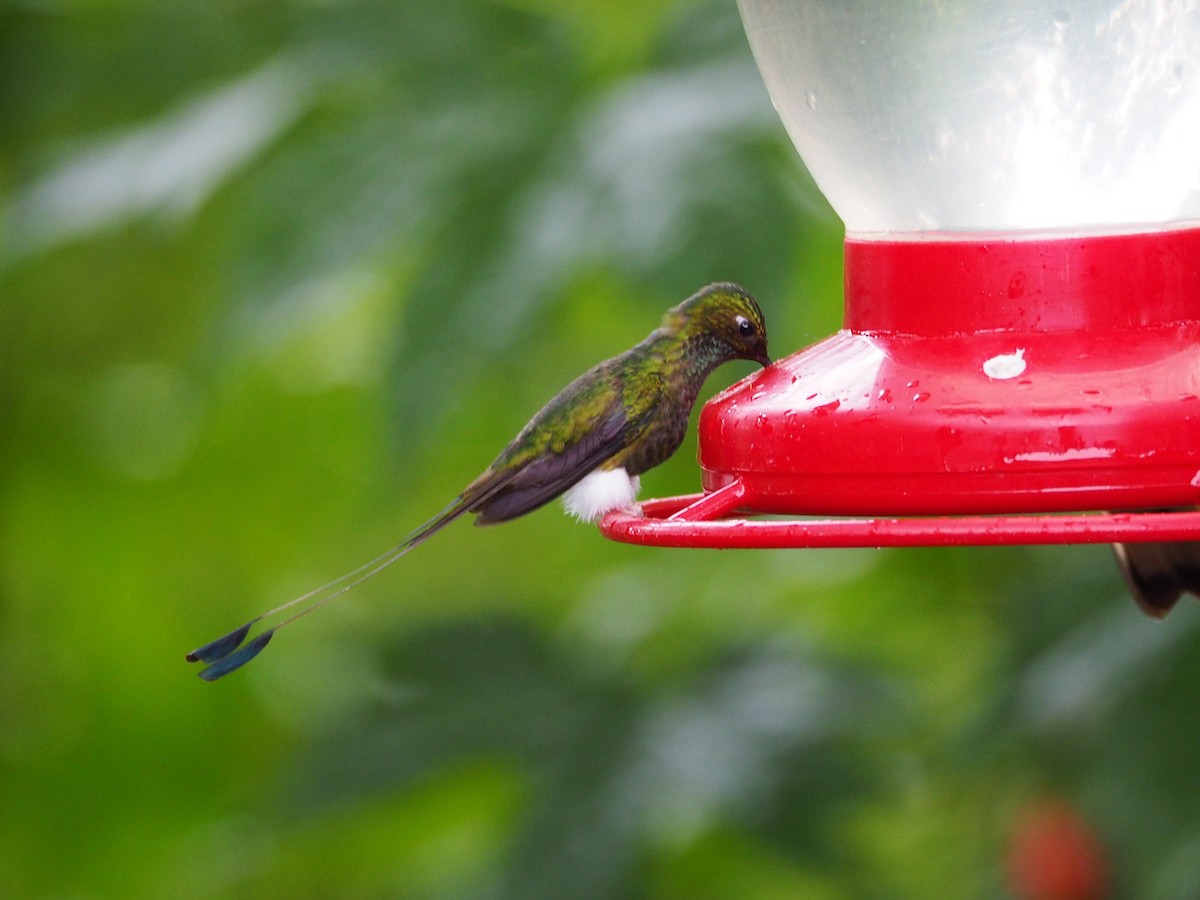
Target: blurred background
(276,281)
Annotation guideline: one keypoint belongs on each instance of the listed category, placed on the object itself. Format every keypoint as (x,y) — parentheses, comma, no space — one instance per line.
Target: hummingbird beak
(763,359)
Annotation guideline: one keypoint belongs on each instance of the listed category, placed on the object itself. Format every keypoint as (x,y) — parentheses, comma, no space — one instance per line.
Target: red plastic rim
(697,520)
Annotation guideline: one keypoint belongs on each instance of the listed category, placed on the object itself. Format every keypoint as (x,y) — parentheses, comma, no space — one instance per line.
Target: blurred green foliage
(276,281)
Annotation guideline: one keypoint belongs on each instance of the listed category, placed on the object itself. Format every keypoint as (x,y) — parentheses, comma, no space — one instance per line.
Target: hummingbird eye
(745,326)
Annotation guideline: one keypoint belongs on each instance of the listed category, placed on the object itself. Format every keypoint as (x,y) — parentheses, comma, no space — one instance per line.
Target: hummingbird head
(724,314)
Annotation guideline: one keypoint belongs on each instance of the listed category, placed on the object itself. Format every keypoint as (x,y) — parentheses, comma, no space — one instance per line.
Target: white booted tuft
(600,492)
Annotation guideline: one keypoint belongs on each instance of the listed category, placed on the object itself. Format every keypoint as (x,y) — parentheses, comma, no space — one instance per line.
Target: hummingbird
(589,444)
(1159,573)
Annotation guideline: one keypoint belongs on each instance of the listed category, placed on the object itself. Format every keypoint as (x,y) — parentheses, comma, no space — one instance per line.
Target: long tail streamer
(231,651)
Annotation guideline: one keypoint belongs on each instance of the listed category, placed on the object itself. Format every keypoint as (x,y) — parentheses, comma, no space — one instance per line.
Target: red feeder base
(992,376)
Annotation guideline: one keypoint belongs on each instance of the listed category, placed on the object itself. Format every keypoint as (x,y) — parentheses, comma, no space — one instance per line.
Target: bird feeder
(1020,355)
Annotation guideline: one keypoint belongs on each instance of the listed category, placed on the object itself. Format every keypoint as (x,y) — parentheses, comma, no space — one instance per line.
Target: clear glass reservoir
(990,115)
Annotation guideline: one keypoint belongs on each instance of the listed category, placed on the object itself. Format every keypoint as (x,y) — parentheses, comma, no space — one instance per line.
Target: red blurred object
(988,376)
(1053,855)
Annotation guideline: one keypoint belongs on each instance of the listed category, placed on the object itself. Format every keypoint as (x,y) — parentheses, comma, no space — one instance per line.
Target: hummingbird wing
(1158,574)
(564,443)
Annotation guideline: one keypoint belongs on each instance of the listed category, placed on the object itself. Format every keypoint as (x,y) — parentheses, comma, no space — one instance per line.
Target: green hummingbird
(589,444)
(1159,573)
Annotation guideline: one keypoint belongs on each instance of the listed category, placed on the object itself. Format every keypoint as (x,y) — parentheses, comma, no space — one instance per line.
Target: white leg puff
(600,492)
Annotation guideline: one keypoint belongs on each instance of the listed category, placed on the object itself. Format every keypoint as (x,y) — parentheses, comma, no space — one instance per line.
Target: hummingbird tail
(238,658)
(232,651)
(222,646)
